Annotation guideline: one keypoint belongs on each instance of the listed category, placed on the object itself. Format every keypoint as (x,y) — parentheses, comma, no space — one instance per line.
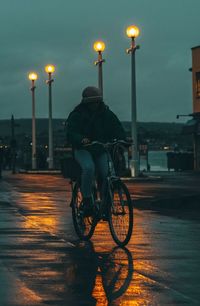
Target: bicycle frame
(110,201)
(111,174)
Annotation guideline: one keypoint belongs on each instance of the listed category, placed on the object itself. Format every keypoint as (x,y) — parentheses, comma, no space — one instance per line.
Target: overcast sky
(62,32)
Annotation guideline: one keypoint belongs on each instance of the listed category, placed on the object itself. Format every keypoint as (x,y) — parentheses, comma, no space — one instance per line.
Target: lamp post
(99,47)
(49,70)
(33,77)
(133,32)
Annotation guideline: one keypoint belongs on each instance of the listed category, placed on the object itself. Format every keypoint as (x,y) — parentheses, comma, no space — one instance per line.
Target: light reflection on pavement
(43,263)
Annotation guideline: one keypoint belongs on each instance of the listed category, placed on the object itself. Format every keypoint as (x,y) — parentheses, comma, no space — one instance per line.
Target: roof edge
(195,47)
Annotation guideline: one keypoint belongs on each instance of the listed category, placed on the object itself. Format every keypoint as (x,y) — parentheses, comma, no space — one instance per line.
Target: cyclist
(92,120)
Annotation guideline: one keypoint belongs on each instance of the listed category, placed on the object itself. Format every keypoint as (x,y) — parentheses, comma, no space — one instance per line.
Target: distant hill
(24,126)
(157,134)
(156,126)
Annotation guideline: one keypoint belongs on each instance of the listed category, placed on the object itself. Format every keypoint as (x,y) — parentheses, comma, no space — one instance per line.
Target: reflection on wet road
(43,263)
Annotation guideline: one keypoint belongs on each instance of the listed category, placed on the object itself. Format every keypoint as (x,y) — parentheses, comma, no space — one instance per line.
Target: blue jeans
(88,165)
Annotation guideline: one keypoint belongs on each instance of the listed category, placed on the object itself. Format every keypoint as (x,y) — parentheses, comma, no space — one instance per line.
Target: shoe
(88,207)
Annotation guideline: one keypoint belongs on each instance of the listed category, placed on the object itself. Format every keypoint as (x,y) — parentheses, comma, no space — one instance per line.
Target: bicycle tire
(120,215)
(84,226)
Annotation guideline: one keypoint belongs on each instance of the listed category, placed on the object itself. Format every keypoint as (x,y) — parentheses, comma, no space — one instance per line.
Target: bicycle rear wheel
(84,226)
(120,213)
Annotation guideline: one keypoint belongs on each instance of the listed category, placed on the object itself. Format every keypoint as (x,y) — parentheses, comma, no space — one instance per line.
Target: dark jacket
(102,125)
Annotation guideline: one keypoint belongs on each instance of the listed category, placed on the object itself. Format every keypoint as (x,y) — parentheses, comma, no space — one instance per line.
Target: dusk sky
(35,33)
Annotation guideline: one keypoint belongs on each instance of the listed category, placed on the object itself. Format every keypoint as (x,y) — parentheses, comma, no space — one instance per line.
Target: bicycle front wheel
(84,226)
(120,213)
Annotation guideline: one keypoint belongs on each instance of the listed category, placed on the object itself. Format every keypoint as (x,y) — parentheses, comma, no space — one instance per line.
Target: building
(192,127)
(196,104)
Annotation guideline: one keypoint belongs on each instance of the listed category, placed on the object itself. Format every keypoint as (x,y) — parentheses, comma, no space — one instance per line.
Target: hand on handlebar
(129,139)
(85,141)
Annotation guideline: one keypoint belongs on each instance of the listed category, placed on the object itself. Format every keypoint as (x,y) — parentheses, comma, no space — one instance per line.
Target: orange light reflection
(42,211)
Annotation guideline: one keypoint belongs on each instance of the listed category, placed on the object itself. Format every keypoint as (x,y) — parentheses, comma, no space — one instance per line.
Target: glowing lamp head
(132,31)
(99,46)
(50,69)
(33,76)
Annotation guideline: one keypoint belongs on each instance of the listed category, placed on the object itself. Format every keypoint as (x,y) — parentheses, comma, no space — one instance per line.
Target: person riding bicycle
(92,120)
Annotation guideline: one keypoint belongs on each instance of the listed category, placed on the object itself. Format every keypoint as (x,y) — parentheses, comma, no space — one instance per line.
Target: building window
(198,84)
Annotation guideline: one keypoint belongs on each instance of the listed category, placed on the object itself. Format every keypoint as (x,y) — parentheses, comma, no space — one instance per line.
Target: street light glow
(132,31)
(99,46)
(50,69)
(33,76)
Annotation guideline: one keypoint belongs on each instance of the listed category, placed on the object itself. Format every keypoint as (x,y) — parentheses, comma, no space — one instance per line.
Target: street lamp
(49,70)
(99,47)
(133,32)
(33,77)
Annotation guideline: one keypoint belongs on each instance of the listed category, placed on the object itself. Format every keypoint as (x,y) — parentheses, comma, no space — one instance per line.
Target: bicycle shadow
(94,276)
(117,272)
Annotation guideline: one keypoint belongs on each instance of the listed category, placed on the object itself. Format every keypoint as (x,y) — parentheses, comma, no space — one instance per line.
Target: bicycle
(116,202)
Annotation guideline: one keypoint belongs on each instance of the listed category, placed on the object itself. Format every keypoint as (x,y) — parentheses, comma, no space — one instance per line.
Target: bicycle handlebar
(109,144)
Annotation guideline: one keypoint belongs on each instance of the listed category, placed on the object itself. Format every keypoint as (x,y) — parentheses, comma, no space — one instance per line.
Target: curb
(39,171)
(125,179)
(142,179)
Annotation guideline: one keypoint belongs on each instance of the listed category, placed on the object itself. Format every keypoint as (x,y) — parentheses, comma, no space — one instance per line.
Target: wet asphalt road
(43,263)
